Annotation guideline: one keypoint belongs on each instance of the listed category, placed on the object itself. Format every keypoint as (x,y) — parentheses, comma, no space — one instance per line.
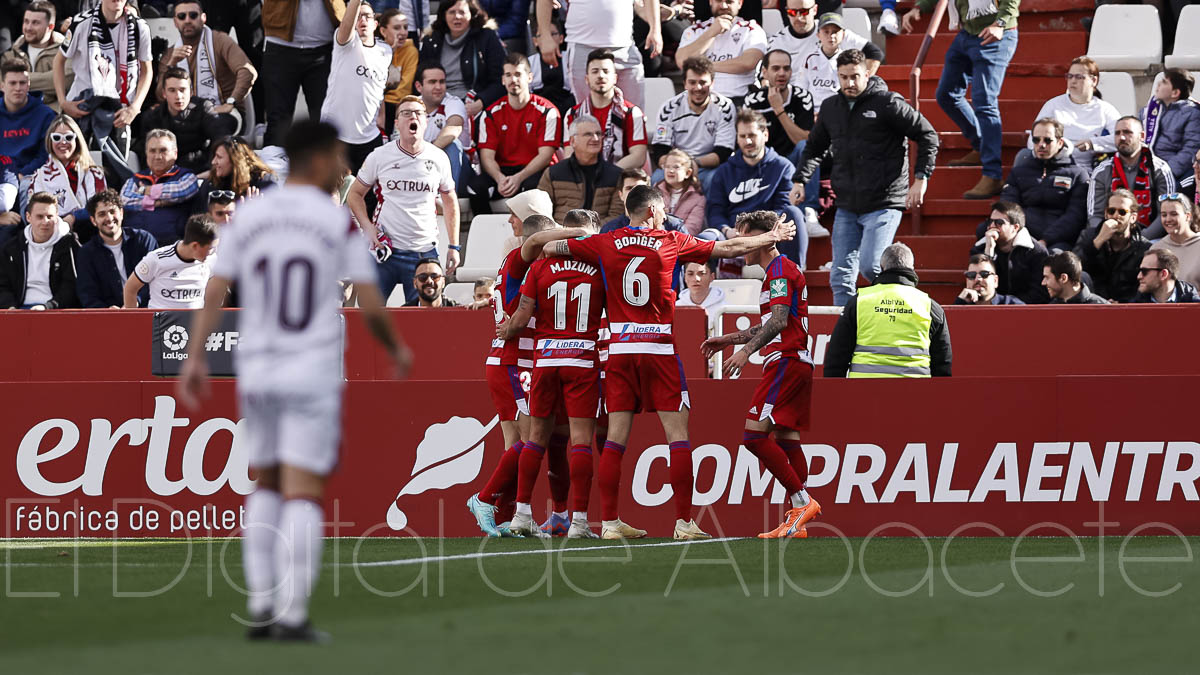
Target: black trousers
(482,188)
(289,69)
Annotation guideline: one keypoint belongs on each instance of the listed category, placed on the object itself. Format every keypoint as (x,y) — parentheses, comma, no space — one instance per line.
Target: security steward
(891,329)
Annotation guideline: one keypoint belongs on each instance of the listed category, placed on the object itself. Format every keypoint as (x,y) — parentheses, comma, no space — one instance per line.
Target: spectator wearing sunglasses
(1136,168)
(982,282)
(1050,187)
(193,119)
(1112,257)
(222,204)
(1158,280)
(1179,217)
(69,175)
(221,70)
(1016,256)
(430,281)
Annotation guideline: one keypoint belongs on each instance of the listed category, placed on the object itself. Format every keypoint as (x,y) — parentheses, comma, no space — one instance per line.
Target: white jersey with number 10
(287,250)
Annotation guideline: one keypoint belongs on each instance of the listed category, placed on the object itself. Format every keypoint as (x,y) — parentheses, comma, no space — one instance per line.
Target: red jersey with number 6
(784,285)
(568,298)
(637,264)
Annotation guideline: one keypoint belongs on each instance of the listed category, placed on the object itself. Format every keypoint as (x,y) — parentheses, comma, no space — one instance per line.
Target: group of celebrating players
(584,333)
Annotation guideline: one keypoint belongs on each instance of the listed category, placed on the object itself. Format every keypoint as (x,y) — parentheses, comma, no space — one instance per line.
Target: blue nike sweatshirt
(738,188)
(23,134)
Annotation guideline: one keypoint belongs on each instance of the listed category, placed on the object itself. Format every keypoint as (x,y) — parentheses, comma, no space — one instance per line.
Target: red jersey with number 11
(637,264)
(568,298)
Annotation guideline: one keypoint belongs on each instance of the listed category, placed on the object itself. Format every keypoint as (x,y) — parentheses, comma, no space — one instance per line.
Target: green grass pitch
(512,606)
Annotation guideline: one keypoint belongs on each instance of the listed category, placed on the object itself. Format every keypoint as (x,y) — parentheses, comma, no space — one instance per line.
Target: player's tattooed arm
(768,330)
(536,242)
(560,248)
(784,230)
(512,326)
(714,345)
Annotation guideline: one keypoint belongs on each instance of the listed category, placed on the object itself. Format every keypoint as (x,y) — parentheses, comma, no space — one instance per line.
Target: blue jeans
(983,67)
(399,269)
(812,189)
(858,242)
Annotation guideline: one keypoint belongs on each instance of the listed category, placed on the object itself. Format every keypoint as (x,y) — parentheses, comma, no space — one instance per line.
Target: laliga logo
(175,338)
(450,454)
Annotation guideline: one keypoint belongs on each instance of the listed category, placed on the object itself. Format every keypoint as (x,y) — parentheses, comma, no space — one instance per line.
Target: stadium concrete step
(1032,47)
(948,217)
(1015,113)
(1035,85)
(1042,16)
(950,182)
(934,251)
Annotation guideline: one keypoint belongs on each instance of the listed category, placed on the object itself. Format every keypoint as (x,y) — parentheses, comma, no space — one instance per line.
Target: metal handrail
(914,78)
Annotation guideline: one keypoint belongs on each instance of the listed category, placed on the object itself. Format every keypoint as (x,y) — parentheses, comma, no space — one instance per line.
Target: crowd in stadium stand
(118,140)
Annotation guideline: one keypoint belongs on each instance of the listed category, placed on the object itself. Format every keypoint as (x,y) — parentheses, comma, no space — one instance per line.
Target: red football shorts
(509,386)
(784,394)
(645,383)
(571,387)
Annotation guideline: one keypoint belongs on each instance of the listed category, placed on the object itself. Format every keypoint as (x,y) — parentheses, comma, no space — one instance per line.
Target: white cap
(531,202)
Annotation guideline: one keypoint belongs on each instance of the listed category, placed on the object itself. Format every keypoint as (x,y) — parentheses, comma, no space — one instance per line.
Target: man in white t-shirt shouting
(357,77)
(734,45)
(178,273)
(447,124)
(406,175)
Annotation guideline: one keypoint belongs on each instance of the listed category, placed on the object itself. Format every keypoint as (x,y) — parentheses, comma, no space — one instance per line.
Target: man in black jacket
(1158,279)
(106,261)
(37,267)
(866,129)
(1017,256)
(1062,275)
(1112,252)
(1050,188)
(191,118)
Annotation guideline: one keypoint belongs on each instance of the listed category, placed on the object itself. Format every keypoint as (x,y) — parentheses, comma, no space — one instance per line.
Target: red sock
(774,458)
(795,455)
(527,471)
(559,471)
(682,478)
(504,477)
(581,477)
(506,505)
(610,479)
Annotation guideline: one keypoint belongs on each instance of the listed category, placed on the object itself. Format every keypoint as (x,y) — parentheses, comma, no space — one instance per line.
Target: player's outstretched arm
(192,386)
(558,249)
(372,305)
(513,325)
(784,230)
(535,243)
(767,332)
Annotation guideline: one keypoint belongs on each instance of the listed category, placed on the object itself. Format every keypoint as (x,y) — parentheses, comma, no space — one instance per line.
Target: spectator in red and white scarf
(1135,168)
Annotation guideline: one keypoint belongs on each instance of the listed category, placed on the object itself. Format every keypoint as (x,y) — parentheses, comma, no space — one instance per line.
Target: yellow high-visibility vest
(893,332)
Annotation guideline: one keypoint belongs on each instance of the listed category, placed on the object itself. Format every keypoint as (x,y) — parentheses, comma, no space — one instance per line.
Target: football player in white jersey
(288,250)
(178,273)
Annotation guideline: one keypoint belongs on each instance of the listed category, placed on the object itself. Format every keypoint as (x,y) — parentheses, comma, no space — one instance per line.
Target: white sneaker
(615,529)
(581,530)
(689,531)
(522,525)
(812,224)
(888,23)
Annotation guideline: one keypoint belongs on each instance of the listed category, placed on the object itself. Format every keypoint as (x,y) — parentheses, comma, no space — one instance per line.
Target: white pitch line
(543,551)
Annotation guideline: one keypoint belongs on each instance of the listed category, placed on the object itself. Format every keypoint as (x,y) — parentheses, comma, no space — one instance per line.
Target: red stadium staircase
(1051,35)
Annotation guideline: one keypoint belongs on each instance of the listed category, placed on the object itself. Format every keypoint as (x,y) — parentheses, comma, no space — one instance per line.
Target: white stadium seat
(1110,45)
(740,292)
(1118,90)
(658,91)
(485,247)
(753,272)
(1187,40)
(461,292)
(772,21)
(165,29)
(857,21)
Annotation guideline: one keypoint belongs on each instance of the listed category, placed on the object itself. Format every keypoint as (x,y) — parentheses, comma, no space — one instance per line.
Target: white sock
(258,548)
(800,499)
(561,514)
(298,558)
(580,517)
(524,510)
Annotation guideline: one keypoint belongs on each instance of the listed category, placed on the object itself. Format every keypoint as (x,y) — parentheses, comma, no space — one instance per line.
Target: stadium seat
(753,272)
(1118,90)
(772,21)
(658,90)
(857,21)
(1126,37)
(165,29)
(443,238)
(396,299)
(1187,40)
(462,292)
(740,292)
(485,247)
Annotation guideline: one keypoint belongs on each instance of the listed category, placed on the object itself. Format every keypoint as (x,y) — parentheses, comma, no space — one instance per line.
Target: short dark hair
(640,198)
(41,198)
(699,65)
(14,64)
(221,197)
(1166,260)
(1182,80)
(981,259)
(44,7)
(1059,130)
(748,116)
(429,261)
(428,65)
(1134,118)
(191,2)
(757,221)
(1014,212)
(632,172)
(585,218)
(599,55)
(175,73)
(536,223)
(108,196)
(518,59)
(1064,263)
(851,57)
(307,139)
(766,59)
(199,230)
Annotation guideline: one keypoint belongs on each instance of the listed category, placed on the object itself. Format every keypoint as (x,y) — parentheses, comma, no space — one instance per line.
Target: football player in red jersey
(784,395)
(565,297)
(644,373)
